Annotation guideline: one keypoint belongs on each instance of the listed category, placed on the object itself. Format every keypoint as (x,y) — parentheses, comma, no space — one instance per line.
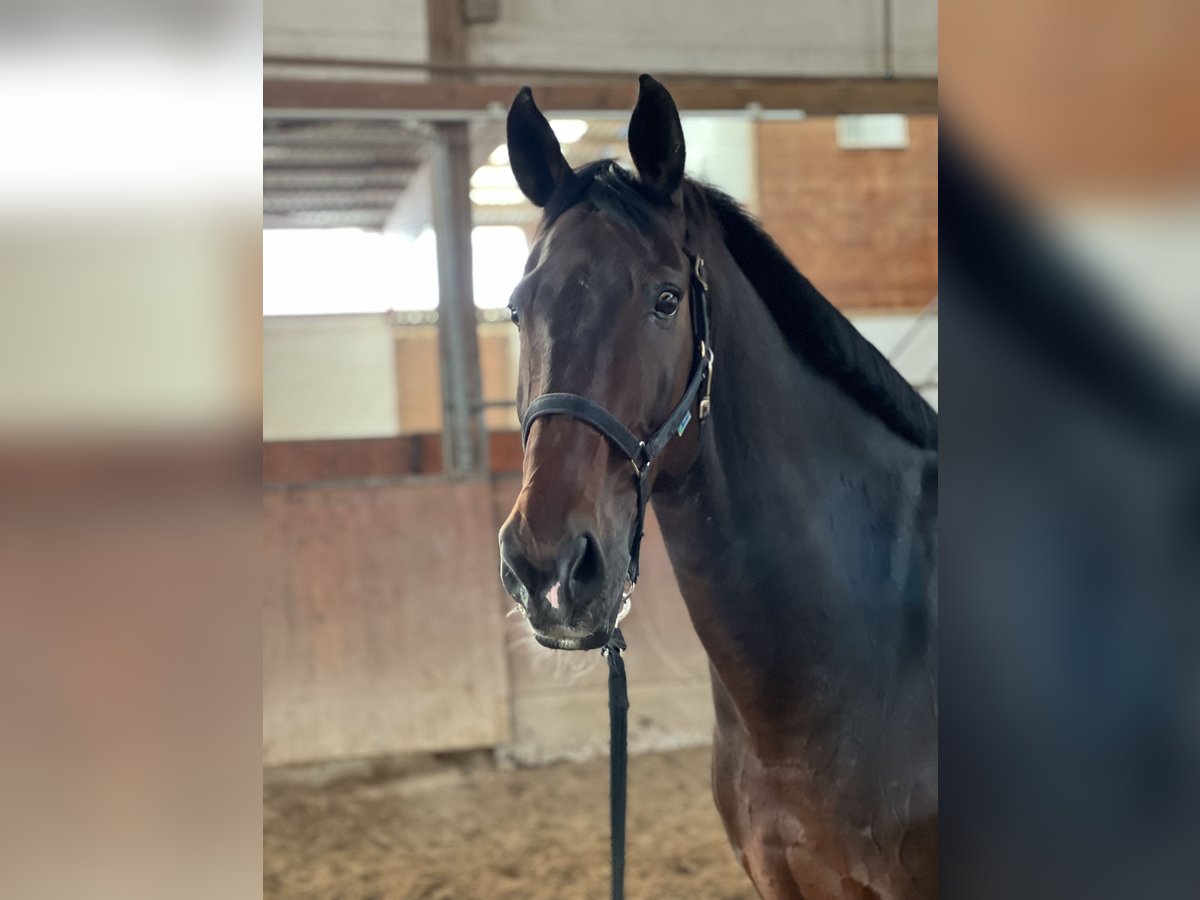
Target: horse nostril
(512,584)
(515,570)
(586,564)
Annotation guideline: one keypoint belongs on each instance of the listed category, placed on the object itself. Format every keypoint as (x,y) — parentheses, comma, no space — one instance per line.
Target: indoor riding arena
(418,742)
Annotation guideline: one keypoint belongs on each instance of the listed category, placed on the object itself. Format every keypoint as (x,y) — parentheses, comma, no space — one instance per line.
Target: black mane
(818,330)
(608,188)
(813,326)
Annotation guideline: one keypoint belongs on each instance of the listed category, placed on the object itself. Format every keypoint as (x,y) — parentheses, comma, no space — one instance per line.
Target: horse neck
(792,535)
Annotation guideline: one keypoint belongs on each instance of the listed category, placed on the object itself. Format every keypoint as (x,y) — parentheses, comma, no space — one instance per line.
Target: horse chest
(790,841)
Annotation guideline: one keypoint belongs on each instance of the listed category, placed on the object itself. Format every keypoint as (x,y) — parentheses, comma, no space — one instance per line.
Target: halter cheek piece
(641,453)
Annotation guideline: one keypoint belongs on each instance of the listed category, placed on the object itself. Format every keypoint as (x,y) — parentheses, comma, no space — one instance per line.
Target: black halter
(641,453)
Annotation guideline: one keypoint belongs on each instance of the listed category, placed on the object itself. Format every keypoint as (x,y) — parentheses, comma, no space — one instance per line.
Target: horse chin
(558,635)
(593,641)
(564,637)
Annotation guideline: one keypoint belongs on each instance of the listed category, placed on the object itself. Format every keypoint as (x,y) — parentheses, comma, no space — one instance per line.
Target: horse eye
(666,305)
(512,314)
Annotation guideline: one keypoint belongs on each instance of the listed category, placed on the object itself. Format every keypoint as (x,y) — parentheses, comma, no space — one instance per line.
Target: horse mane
(608,188)
(813,327)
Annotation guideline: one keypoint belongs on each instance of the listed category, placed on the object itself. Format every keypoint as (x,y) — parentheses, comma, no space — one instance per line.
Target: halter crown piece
(641,453)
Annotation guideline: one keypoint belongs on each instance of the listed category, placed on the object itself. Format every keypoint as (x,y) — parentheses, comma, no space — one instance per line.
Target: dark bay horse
(799,515)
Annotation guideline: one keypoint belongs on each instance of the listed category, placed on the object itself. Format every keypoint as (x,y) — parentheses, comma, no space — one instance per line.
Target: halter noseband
(641,453)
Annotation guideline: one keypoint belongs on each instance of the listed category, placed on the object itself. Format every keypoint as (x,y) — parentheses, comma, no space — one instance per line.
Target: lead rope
(618,716)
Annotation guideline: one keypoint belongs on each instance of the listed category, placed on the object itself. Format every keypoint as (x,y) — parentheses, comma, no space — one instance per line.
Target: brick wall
(862,224)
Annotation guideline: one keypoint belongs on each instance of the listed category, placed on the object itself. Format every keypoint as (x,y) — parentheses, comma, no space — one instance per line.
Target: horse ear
(533,151)
(656,138)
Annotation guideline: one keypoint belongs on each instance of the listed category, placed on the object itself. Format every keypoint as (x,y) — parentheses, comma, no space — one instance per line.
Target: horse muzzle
(569,594)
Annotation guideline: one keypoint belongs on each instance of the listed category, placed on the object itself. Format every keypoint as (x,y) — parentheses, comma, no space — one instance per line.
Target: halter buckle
(633,460)
(706,400)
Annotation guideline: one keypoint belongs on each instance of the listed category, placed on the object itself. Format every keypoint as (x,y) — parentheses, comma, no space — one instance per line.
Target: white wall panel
(363,29)
(723,152)
(910,343)
(328,377)
(827,37)
(915,37)
(771,37)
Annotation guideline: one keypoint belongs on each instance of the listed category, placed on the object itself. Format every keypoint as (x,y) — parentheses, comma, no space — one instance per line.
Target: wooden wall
(300,463)
(384,631)
(862,224)
(381,621)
